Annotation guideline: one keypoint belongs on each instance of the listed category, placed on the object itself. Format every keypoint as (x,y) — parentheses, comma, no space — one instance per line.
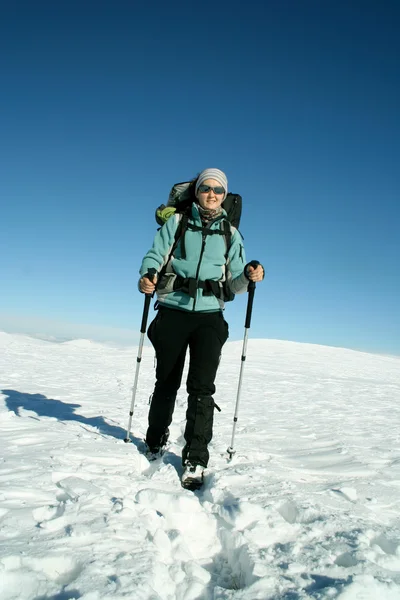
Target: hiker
(199,275)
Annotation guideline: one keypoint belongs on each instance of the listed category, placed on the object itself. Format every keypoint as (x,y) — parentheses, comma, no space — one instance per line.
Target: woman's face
(210,199)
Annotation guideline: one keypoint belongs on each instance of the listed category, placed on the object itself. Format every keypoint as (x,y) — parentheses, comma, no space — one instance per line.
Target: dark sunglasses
(204,189)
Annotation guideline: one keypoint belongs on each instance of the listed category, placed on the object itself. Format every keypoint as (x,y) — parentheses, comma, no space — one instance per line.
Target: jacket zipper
(203,245)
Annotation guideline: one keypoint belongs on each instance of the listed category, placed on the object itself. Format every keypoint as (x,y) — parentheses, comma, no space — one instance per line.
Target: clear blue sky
(104,105)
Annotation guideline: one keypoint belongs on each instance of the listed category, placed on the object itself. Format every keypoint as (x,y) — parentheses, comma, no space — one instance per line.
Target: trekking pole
(251,288)
(147,300)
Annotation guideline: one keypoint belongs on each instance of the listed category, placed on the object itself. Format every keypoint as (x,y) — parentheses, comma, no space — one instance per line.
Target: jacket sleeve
(236,278)
(158,254)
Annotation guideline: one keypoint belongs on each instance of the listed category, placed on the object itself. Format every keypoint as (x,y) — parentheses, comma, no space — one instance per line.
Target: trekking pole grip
(251,288)
(150,275)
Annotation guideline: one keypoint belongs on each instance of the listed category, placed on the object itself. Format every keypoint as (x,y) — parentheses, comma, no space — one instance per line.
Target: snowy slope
(308,508)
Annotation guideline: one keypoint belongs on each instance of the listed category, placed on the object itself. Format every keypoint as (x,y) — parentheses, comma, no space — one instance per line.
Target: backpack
(182,196)
(180,200)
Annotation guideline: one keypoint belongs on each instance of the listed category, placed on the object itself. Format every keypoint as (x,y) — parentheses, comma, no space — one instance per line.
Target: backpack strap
(227,232)
(184,225)
(205,231)
(180,230)
(210,287)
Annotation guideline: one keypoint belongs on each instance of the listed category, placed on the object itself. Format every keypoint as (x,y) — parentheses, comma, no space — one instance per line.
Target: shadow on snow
(71,595)
(63,411)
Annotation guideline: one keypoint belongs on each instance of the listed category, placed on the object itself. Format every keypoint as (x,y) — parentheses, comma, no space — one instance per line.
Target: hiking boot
(192,477)
(154,451)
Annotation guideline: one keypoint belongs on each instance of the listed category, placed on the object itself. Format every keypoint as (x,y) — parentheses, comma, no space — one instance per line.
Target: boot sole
(192,484)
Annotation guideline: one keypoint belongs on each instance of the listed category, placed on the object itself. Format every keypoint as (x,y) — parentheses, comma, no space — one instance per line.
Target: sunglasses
(218,189)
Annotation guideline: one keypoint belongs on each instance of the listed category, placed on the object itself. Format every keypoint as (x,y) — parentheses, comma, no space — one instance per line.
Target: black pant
(171,333)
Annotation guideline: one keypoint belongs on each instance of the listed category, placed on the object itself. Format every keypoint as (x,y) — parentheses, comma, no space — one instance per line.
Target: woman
(198,276)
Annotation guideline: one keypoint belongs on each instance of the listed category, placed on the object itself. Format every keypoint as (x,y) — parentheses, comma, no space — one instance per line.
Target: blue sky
(105,105)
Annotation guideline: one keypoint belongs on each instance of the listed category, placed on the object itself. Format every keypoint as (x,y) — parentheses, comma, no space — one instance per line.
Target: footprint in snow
(43,514)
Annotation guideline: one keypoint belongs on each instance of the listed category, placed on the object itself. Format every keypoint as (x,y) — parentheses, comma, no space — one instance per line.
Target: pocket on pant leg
(223,330)
(152,329)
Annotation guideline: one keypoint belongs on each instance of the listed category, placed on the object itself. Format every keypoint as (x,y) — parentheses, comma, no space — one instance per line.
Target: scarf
(209,214)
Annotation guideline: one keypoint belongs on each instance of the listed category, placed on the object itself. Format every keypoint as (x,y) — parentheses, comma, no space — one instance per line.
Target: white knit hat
(213,174)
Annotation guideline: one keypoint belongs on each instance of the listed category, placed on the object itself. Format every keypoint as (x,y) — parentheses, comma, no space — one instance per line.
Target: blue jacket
(205,258)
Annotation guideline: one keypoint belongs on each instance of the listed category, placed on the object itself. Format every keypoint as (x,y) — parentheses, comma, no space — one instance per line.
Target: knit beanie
(213,174)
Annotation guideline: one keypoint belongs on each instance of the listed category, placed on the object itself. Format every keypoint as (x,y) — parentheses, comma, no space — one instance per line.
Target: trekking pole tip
(127,440)
(230,452)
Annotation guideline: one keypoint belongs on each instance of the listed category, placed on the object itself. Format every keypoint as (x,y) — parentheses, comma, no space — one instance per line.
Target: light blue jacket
(206,259)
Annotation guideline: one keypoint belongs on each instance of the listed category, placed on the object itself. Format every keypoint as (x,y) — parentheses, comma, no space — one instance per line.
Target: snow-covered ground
(309,507)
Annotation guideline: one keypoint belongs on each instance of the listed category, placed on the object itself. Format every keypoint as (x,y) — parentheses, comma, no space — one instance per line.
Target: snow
(308,507)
